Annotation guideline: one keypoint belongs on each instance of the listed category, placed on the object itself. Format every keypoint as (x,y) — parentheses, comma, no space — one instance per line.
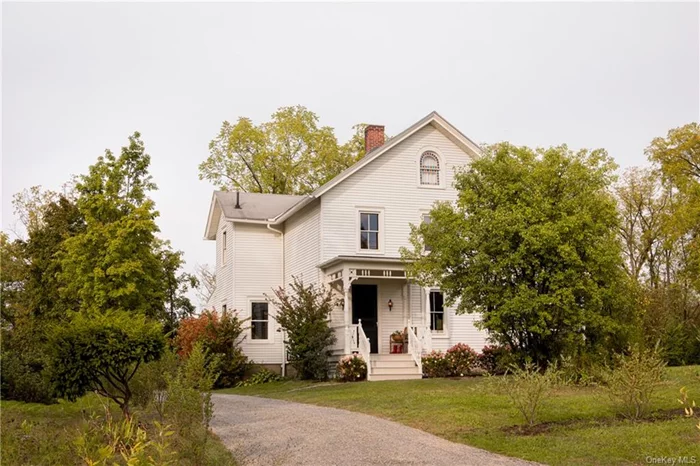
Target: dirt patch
(544,427)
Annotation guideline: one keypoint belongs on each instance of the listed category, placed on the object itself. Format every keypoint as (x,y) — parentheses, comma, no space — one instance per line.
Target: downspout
(284,350)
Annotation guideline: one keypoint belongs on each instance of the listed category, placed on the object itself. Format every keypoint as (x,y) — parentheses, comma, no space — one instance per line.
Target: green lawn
(578,425)
(49,432)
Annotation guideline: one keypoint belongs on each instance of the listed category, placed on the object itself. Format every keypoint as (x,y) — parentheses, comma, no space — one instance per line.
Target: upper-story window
(224,246)
(425,218)
(429,169)
(369,231)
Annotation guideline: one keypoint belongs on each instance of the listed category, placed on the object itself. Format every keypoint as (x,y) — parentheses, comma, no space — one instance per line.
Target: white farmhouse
(347,235)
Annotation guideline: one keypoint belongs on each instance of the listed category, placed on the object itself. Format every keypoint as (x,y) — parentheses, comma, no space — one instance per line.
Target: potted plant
(397,336)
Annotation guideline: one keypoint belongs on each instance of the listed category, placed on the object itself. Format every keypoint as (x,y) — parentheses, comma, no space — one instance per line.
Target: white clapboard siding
(258,253)
(390,182)
(389,321)
(223,294)
(302,245)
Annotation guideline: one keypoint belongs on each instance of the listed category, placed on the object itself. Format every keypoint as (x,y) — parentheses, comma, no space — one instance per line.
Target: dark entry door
(364,306)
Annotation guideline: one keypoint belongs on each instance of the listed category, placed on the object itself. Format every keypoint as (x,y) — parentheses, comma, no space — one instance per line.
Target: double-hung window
(369,231)
(426,220)
(224,246)
(437,312)
(259,321)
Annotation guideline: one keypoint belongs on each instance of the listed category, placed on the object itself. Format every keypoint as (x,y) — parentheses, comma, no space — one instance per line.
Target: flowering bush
(494,359)
(461,360)
(220,335)
(352,368)
(435,364)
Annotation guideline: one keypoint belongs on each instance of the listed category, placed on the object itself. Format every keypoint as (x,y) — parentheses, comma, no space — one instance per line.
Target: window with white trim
(425,218)
(369,231)
(224,246)
(259,321)
(437,311)
(429,169)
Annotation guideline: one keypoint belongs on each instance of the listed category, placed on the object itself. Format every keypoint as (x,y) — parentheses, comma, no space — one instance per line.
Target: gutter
(284,350)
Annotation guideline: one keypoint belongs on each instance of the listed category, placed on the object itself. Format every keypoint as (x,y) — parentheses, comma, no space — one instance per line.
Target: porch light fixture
(390,304)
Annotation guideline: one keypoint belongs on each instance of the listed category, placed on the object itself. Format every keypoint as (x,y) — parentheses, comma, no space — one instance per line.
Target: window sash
(437,311)
(429,169)
(259,321)
(426,220)
(369,230)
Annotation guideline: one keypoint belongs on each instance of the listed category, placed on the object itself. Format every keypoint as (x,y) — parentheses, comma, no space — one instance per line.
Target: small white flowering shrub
(351,369)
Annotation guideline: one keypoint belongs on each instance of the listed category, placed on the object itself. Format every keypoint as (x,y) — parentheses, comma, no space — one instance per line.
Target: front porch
(378,300)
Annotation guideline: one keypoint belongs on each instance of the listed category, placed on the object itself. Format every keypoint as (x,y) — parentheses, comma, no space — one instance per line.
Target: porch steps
(394,367)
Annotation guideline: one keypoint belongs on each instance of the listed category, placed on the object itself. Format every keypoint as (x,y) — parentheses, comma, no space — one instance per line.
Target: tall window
(429,169)
(426,219)
(437,311)
(369,230)
(259,322)
(223,247)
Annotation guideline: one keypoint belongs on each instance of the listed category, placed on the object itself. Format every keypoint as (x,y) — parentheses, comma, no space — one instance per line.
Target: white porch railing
(363,347)
(415,348)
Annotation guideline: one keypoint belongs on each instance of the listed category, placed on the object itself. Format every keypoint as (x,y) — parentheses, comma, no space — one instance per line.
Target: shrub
(582,369)
(23,377)
(461,360)
(304,315)
(260,377)
(435,364)
(351,368)
(153,377)
(221,336)
(528,387)
(494,359)
(101,353)
(103,440)
(188,404)
(633,379)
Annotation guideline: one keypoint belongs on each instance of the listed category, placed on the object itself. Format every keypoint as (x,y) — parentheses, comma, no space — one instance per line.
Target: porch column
(347,309)
(427,341)
(404,300)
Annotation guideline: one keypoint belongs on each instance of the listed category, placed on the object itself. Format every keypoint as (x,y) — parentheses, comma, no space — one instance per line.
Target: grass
(40,434)
(578,425)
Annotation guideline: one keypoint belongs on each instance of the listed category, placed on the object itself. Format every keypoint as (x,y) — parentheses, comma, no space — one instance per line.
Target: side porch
(378,301)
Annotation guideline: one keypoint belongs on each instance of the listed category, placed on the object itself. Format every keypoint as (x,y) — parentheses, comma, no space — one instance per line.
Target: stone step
(380,377)
(395,370)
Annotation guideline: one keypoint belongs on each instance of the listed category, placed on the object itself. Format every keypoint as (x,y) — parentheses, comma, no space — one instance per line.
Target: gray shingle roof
(255,206)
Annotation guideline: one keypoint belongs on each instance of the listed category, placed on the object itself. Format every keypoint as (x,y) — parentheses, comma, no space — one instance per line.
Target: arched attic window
(429,169)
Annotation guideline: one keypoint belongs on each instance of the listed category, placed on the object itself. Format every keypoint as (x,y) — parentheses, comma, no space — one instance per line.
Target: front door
(364,306)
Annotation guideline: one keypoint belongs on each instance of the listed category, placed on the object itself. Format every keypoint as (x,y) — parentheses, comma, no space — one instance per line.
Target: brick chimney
(374,137)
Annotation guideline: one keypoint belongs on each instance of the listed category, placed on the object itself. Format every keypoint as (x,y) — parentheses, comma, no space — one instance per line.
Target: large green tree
(532,244)
(118,263)
(678,157)
(290,154)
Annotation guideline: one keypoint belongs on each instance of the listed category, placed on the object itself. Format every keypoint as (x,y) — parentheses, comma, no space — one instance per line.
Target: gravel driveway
(262,431)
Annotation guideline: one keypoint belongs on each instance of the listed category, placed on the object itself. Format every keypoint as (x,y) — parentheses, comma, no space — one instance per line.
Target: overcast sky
(79,78)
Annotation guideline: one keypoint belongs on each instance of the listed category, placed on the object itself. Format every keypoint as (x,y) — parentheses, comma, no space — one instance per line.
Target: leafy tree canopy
(678,156)
(532,244)
(118,263)
(290,154)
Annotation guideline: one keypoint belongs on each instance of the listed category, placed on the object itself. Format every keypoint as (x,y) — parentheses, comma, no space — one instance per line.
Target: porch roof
(340,259)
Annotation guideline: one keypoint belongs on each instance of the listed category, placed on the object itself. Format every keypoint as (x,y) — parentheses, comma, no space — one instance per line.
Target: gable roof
(254,208)
(276,208)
